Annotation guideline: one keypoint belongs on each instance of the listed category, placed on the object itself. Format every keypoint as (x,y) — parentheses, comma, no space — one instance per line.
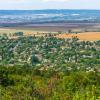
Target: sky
(48,4)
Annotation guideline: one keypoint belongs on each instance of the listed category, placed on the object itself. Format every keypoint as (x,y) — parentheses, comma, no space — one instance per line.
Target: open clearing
(86,36)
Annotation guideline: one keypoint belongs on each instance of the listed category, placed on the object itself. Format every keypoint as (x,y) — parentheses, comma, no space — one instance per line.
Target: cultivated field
(11,31)
(27,32)
(86,36)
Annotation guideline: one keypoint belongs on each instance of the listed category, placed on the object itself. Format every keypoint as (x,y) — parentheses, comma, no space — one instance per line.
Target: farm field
(26,32)
(11,31)
(86,36)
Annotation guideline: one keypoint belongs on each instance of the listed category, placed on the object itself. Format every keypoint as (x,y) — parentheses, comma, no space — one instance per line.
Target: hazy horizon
(49,9)
(49,4)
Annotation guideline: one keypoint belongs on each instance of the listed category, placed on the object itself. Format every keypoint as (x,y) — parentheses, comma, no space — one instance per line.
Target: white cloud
(33,0)
(13,1)
(55,0)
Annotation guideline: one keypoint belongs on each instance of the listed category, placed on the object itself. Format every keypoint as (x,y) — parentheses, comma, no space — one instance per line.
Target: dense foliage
(27,83)
(47,68)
